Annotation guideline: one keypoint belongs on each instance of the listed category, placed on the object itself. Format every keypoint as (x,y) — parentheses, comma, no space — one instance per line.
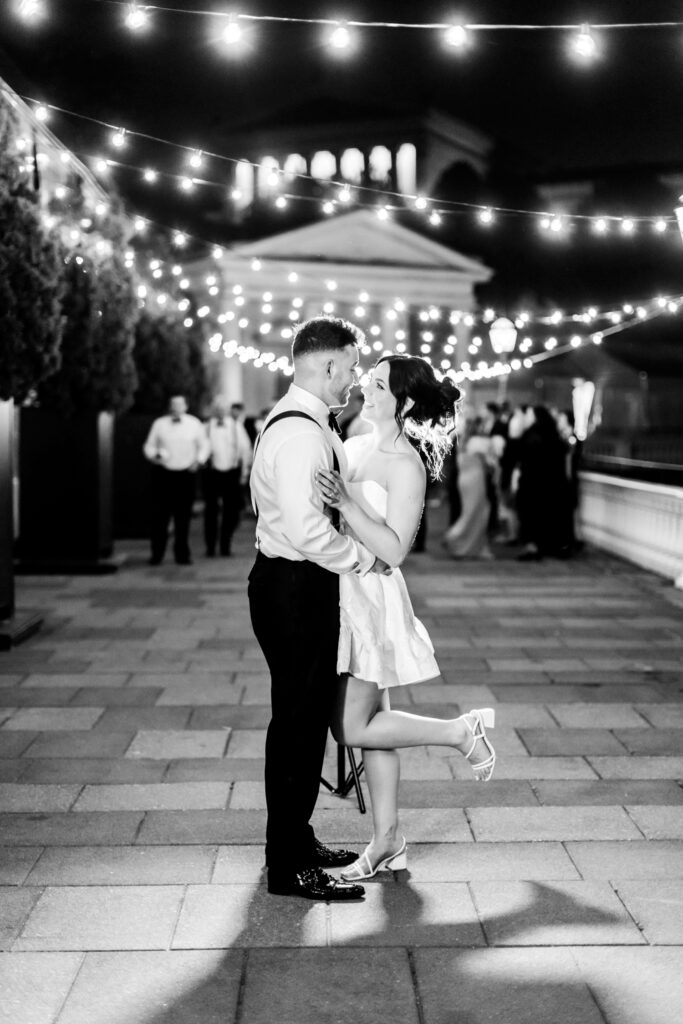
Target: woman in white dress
(381,643)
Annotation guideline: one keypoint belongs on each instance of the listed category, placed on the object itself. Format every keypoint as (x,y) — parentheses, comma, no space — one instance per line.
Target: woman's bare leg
(364,723)
(382,767)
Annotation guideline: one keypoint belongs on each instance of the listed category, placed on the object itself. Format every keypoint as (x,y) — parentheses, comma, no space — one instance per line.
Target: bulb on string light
(420,203)
(256,264)
(575,341)
(434,219)
(456,36)
(150,176)
(186,184)
(344,194)
(660,226)
(101,209)
(628,226)
(281,202)
(216,252)
(236,194)
(118,138)
(485,215)
(136,18)
(340,38)
(232,33)
(273,179)
(179,239)
(140,224)
(600,226)
(196,158)
(328,207)
(383,212)
(31,10)
(583,45)
(42,113)
(60,192)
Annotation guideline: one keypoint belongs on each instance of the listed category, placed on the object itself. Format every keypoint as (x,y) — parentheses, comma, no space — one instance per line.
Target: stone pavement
(132,814)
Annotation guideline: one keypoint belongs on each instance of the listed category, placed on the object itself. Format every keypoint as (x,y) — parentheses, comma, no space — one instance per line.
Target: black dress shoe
(183,561)
(313,884)
(154,561)
(324,857)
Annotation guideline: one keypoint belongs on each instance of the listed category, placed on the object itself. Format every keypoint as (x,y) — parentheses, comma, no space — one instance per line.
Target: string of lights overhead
(585,43)
(342,195)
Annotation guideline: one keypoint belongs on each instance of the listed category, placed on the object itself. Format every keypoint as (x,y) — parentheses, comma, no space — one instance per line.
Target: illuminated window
(352,165)
(294,164)
(406,168)
(380,163)
(323,164)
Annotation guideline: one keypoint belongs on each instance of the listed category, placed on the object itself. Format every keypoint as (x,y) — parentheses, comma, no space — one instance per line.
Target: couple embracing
(329,606)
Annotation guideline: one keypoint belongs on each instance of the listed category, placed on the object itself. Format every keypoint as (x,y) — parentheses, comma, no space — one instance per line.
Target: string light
(232,33)
(42,113)
(456,36)
(136,18)
(486,215)
(583,45)
(31,10)
(340,39)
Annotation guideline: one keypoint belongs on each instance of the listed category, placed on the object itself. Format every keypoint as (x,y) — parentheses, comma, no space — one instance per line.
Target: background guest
(176,446)
(543,494)
(468,535)
(225,475)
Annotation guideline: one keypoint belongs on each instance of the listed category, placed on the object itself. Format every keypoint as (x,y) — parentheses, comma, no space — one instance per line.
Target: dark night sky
(174,81)
(545,114)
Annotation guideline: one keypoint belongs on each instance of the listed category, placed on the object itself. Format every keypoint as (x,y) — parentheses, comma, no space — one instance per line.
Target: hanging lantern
(503,335)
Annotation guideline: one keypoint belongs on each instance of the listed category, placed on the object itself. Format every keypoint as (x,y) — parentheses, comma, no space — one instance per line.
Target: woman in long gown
(381,642)
(467,537)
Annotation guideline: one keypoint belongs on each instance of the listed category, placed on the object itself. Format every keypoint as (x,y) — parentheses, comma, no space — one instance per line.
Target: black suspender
(303,416)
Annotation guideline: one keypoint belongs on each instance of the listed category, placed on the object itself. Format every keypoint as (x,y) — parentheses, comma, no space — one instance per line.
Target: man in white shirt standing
(226,472)
(176,446)
(294,600)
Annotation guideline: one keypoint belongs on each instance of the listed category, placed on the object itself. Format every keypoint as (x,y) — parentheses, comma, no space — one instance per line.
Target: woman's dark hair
(325,334)
(431,418)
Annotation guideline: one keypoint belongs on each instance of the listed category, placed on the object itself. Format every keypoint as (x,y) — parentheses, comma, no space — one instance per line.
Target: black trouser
(173,494)
(221,490)
(295,615)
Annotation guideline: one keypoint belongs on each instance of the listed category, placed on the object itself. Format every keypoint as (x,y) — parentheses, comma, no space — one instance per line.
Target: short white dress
(380,638)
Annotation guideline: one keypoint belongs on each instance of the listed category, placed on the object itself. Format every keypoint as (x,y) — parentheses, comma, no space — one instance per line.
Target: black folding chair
(345,783)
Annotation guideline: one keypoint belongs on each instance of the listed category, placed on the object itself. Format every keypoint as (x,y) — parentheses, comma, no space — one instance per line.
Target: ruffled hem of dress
(361,655)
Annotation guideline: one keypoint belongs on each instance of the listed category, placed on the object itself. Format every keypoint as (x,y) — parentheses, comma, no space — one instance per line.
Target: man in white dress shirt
(225,473)
(176,446)
(294,600)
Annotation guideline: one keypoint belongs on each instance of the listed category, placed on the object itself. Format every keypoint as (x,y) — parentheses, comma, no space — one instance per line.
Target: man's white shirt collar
(320,409)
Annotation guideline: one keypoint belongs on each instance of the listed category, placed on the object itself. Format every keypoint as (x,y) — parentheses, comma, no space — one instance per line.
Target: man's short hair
(325,334)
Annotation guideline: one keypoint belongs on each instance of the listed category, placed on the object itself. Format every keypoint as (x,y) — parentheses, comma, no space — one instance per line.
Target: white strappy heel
(484,718)
(396,862)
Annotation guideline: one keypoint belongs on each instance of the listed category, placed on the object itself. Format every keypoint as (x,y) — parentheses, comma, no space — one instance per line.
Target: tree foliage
(97,370)
(169,361)
(31,280)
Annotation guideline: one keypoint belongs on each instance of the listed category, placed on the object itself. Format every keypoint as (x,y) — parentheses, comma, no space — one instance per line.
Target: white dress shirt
(177,444)
(292,522)
(229,445)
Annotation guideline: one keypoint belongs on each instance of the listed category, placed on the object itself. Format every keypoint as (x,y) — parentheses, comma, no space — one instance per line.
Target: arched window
(352,165)
(323,164)
(380,163)
(244,183)
(406,168)
(266,167)
(294,164)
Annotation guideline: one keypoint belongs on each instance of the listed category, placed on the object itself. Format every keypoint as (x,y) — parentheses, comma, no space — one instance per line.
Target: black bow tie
(332,421)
